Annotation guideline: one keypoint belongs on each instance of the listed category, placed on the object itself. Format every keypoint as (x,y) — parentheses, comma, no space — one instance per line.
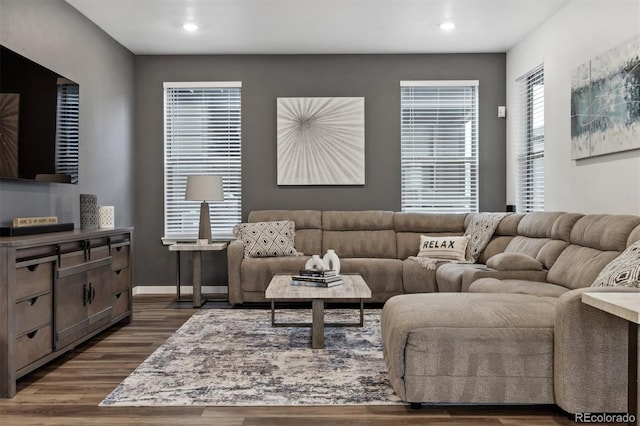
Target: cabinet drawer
(32,346)
(120,256)
(120,280)
(33,279)
(33,312)
(120,303)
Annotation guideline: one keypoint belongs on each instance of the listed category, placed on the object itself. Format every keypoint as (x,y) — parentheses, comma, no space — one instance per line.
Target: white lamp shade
(204,188)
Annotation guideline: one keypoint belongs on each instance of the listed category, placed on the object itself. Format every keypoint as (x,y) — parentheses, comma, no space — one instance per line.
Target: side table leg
(178,275)
(632,385)
(317,327)
(197,279)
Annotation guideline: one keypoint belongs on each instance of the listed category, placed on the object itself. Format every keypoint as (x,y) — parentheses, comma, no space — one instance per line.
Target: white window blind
(201,137)
(439,144)
(67,128)
(530,192)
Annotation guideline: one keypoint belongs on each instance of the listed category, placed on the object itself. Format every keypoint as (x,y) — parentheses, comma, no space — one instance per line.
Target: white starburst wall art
(320,141)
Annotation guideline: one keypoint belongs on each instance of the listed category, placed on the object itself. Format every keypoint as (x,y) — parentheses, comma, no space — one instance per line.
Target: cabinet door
(100,300)
(71,308)
(83,300)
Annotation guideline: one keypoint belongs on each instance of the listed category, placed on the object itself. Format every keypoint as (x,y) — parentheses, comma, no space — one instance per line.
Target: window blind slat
(530,191)
(439,142)
(202,123)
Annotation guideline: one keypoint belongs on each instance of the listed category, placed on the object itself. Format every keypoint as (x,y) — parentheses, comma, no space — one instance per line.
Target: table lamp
(204,188)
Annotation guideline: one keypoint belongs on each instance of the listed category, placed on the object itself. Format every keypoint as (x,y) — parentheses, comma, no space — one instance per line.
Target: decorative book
(34,221)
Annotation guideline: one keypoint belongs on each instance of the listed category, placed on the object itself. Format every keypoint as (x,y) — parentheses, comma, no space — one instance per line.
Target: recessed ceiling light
(446,26)
(190,26)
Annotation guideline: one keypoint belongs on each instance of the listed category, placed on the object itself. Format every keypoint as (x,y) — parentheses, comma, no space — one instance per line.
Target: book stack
(313,278)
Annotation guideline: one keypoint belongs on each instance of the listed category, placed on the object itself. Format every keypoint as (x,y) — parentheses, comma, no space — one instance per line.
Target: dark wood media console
(56,291)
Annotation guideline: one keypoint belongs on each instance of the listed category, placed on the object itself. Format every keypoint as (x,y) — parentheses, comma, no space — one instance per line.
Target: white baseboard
(184,289)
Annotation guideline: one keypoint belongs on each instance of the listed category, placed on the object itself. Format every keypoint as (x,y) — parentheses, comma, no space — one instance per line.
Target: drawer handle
(118,271)
(118,295)
(33,300)
(33,267)
(32,334)
(118,248)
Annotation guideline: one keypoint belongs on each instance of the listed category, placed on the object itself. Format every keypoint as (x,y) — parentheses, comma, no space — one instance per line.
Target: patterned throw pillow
(623,271)
(267,239)
(449,248)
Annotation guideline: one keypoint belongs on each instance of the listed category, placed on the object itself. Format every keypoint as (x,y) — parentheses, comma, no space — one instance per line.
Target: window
(201,137)
(439,144)
(530,192)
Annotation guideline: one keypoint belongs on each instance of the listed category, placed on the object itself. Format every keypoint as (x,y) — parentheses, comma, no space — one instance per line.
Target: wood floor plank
(68,390)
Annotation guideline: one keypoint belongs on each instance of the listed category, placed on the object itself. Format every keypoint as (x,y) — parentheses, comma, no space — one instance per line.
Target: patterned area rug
(226,357)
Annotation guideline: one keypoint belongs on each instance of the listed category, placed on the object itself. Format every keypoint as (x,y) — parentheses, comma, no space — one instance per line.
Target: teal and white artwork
(320,141)
(605,102)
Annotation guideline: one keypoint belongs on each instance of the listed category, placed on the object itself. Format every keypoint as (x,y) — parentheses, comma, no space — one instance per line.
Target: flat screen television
(39,121)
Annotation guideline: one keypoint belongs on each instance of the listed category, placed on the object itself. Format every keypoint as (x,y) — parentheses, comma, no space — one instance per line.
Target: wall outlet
(502,112)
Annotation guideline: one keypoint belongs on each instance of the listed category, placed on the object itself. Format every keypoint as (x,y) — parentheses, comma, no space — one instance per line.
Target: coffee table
(353,287)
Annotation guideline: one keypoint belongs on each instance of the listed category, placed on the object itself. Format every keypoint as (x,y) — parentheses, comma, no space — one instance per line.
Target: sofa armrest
(590,355)
(471,275)
(235,254)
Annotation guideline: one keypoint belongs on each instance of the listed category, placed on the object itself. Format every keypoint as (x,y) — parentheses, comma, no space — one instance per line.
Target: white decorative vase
(315,263)
(331,261)
(106,217)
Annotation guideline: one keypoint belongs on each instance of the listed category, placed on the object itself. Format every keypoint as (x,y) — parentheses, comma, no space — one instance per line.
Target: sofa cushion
(538,224)
(267,239)
(604,232)
(383,276)
(379,244)
(623,271)
(550,252)
(449,248)
(368,220)
(256,273)
(533,288)
(410,226)
(418,279)
(449,275)
(513,262)
(578,266)
(526,245)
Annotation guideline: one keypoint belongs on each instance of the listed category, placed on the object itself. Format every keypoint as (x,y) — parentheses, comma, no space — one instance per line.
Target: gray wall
(57,36)
(265,78)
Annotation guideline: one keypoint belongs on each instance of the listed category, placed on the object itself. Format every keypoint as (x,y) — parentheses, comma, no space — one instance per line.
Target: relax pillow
(267,239)
(449,248)
(513,262)
(623,271)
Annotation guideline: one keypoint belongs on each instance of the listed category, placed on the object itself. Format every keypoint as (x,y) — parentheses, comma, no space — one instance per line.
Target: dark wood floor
(68,390)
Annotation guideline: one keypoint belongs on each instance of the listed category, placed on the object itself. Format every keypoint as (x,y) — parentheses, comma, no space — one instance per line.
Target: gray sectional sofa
(506,329)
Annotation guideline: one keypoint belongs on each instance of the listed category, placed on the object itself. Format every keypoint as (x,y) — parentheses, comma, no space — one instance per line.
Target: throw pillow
(449,248)
(513,262)
(623,271)
(267,239)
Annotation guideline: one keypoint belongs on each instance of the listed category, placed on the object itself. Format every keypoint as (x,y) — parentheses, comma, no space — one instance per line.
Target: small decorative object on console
(88,211)
(106,216)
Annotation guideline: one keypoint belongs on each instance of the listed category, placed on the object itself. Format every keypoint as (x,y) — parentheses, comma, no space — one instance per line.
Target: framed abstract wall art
(320,141)
(605,102)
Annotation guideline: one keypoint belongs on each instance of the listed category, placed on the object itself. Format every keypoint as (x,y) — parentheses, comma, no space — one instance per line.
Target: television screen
(39,121)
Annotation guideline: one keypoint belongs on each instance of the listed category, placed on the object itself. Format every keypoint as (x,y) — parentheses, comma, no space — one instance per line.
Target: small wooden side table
(197,250)
(626,306)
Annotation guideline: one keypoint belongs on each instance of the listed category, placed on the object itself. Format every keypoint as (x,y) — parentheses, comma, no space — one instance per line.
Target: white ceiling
(317,26)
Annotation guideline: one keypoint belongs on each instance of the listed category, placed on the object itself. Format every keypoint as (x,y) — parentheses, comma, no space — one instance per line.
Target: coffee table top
(353,287)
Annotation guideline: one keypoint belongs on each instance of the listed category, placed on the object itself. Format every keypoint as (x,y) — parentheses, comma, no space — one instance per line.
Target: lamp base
(204,233)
